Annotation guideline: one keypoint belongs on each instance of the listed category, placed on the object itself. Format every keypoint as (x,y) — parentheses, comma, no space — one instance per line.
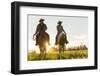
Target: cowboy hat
(59,22)
(41,20)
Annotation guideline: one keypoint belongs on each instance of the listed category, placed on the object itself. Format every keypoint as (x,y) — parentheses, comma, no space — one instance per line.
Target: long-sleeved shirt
(40,27)
(60,29)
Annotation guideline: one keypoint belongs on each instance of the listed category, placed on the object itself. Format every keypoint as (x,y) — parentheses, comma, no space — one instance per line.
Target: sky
(76,28)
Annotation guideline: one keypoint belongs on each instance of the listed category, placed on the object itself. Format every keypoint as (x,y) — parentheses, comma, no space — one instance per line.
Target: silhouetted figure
(61,39)
(42,38)
(59,31)
(41,27)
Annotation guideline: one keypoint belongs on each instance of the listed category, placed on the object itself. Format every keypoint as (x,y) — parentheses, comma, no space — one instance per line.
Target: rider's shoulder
(44,23)
(58,25)
(41,24)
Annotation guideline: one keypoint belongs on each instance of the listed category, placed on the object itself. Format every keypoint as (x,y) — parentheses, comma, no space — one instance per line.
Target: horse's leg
(41,53)
(63,48)
(44,53)
(60,52)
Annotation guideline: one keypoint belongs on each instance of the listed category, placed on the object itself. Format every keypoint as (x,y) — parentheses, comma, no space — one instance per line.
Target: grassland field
(68,54)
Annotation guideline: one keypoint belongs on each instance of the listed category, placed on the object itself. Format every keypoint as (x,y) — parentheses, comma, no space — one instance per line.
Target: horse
(42,41)
(62,40)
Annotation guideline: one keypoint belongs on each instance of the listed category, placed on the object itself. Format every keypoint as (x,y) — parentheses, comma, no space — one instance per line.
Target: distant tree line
(80,47)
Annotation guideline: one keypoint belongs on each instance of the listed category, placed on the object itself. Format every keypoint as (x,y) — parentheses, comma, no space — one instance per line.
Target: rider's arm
(45,26)
(36,32)
(37,29)
(63,30)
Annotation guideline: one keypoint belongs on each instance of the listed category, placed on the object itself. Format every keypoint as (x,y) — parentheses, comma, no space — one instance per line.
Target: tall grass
(76,52)
(54,55)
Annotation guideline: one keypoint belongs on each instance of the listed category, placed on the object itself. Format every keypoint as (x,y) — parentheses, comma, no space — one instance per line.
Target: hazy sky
(76,27)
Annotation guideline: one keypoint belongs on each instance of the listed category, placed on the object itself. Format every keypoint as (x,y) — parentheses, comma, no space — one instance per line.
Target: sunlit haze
(75,27)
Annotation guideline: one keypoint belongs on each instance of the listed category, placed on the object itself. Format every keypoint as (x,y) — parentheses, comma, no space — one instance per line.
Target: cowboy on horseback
(41,27)
(59,31)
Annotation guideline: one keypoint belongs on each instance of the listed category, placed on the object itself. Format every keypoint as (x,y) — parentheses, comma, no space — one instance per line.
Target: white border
(26,65)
